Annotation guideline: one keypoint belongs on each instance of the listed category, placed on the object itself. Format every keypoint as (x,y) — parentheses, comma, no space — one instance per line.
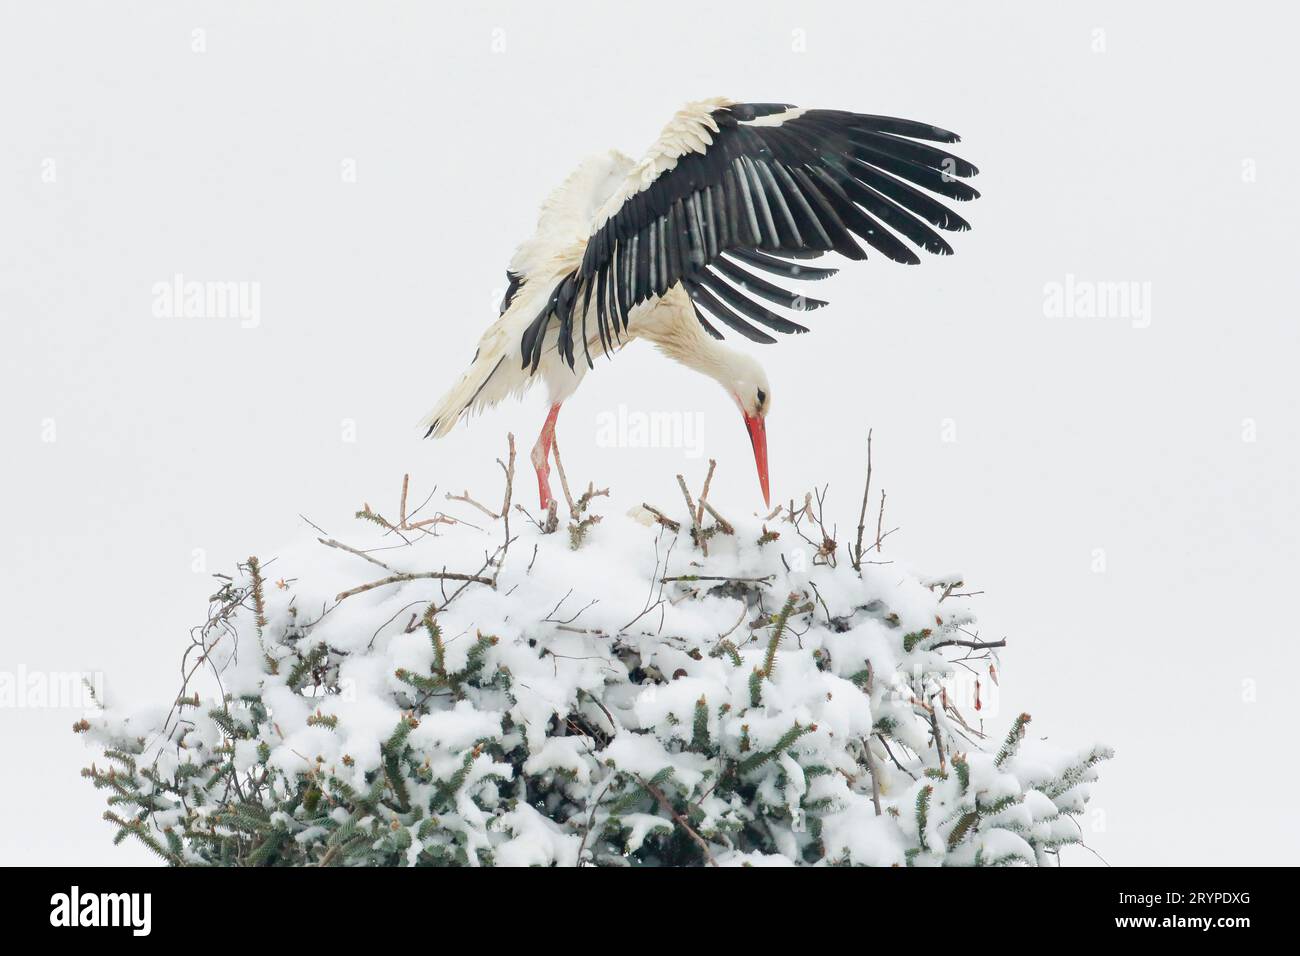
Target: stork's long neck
(684,340)
(674,328)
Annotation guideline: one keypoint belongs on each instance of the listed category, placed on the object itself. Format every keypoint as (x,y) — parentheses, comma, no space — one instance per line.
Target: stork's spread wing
(732,187)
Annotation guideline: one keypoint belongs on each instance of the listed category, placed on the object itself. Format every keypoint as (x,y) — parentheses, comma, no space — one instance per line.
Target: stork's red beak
(758,436)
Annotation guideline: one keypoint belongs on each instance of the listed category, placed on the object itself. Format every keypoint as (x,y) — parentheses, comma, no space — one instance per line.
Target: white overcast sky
(1153,144)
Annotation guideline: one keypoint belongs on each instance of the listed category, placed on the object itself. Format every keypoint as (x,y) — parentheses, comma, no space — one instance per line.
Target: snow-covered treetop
(665,686)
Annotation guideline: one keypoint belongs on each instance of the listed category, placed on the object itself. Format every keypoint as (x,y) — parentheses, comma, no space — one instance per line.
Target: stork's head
(748,384)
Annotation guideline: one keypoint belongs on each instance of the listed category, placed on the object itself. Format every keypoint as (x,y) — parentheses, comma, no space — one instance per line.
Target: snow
(1003,845)
(590,691)
(861,837)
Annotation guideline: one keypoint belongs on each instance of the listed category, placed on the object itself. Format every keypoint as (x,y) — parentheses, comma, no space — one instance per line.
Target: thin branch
(938,741)
(977,645)
(681,821)
(690,510)
(663,519)
(591,819)
(313,524)
(885,742)
(420,507)
(648,609)
(710,577)
(564,481)
(873,771)
(862,520)
(505,505)
(880,520)
(470,501)
(724,525)
(331,543)
(708,480)
(558,605)
(414,576)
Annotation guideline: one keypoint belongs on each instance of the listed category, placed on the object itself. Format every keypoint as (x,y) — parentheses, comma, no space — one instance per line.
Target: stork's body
(643,250)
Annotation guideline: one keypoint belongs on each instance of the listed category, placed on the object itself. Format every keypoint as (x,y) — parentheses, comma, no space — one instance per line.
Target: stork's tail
(465,395)
(496,371)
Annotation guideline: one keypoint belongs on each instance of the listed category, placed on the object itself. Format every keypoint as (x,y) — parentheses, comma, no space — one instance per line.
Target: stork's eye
(762,398)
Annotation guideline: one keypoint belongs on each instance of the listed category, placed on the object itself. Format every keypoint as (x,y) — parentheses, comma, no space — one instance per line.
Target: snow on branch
(663,687)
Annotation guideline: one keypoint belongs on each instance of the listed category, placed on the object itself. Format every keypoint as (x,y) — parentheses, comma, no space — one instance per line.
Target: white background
(1151,143)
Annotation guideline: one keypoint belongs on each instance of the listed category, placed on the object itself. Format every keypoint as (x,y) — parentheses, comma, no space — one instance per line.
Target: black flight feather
(763,197)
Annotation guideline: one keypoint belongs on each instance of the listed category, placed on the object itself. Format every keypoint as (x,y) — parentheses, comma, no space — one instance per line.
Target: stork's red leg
(541,457)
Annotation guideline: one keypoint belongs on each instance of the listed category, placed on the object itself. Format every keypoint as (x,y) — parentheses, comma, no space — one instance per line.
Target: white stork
(663,249)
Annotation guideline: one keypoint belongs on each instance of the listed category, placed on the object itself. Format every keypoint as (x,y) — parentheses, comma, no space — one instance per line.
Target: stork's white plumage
(664,248)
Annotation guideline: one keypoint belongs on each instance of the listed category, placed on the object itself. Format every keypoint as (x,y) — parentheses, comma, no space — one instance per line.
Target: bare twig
(510,477)
(648,608)
(529,515)
(938,740)
(885,744)
(593,631)
(663,519)
(682,822)
(439,518)
(591,819)
(708,577)
(420,507)
(470,501)
(825,550)
(415,576)
(880,520)
(505,505)
(977,645)
(873,771)
(313,524)
(744,612)
(331,543)
(690,510)
(704,493)
(862,520)
(404,522)
(690,503)
(724,525)
(564,481)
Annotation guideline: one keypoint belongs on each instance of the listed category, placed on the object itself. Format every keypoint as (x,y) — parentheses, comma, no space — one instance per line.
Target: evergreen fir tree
(467,719)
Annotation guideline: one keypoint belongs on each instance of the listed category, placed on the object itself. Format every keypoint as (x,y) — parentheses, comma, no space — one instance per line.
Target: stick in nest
(699,534)
(414,576)
(564,481)
(663,519)
(704,493)
(862,515)
(470,501)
